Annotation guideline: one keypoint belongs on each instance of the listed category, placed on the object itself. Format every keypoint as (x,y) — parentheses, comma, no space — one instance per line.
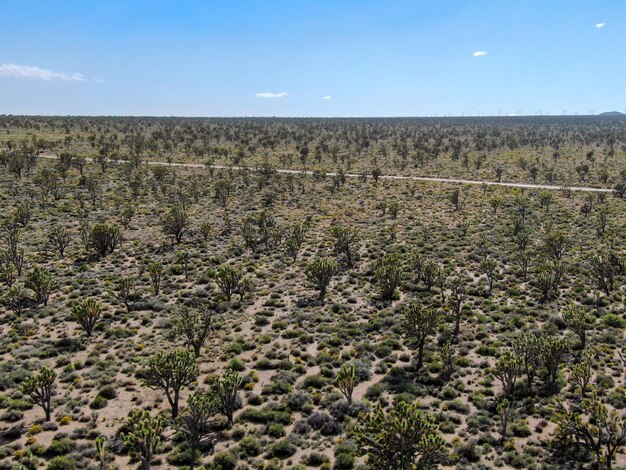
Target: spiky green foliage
(389,275)
(42,283)
(345,243)
(581,373)
(347,380)
(552,350)
(578,321)
(527,348)
(458,296)
(230,280)
(507,370)
(59,238)
(155,270)
(420,323)
(193,325)
(171,372)
(226,388)
(104,238)
(40,388)
(143,435)
(175,222)
(195,422)
(87,313)
(405,438)
(319,272)
(101,450)
(503,409)
(125,292)
(592,427)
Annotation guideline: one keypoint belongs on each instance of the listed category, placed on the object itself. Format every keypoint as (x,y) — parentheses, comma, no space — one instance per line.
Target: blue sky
(311,58)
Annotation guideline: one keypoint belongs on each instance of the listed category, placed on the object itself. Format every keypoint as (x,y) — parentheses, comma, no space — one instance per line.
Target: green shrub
(223,461)
(236,364)
(98,403)
(282,449)
(276,430)
(344,461)
(108,392)
(613,321)
(314,381)
(61,463)
(250,446)
(60,446)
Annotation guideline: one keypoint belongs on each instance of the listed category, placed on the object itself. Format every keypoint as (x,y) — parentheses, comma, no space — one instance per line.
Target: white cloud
(600,25)
(272,95)
(327,97)
(27,71)
(98,80)
(479,53)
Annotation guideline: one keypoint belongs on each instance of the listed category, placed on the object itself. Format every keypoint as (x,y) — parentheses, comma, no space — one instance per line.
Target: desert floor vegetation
(173,317)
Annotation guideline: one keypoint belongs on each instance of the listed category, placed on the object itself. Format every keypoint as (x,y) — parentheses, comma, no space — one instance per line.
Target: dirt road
(435,179)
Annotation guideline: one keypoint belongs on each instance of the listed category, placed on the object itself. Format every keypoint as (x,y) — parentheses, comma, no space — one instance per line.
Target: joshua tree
(488,266)
(457,199)
(495,203)
(39,388)
(551,352)
(419,324)
(507,370)
(389,275)
(15,299)
(376,174)
(104,238)
(86,314)
(175,222)
(581,373)
(522,259)
(143,435)
(127,215)
(223,189)
(226,387)
(394,209)
(294,240)
(446,356)
(101,450)
(602,271)
(195,422)
(42,283)
(426,270)
(60,239)
(126,292)
(171,372)
(347,380)
(545,199)
(230,280)
(405,438)
(592,427)
(527,348)
(155,270)
(457,297)
(319,272)
(556,244)
(578,321)
(345,239)
(504,409)
(183,259)
(194,325)
(205,231)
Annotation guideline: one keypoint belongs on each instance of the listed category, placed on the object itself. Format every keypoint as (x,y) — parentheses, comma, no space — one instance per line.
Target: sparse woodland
(162,316)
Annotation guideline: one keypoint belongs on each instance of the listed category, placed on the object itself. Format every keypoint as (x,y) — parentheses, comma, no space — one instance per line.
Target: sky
(312,57)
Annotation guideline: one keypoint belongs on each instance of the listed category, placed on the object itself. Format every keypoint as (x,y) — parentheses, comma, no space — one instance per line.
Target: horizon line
(449,116)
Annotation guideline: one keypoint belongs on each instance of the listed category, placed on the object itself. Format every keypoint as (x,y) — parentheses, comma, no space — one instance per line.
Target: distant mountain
(612,113)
